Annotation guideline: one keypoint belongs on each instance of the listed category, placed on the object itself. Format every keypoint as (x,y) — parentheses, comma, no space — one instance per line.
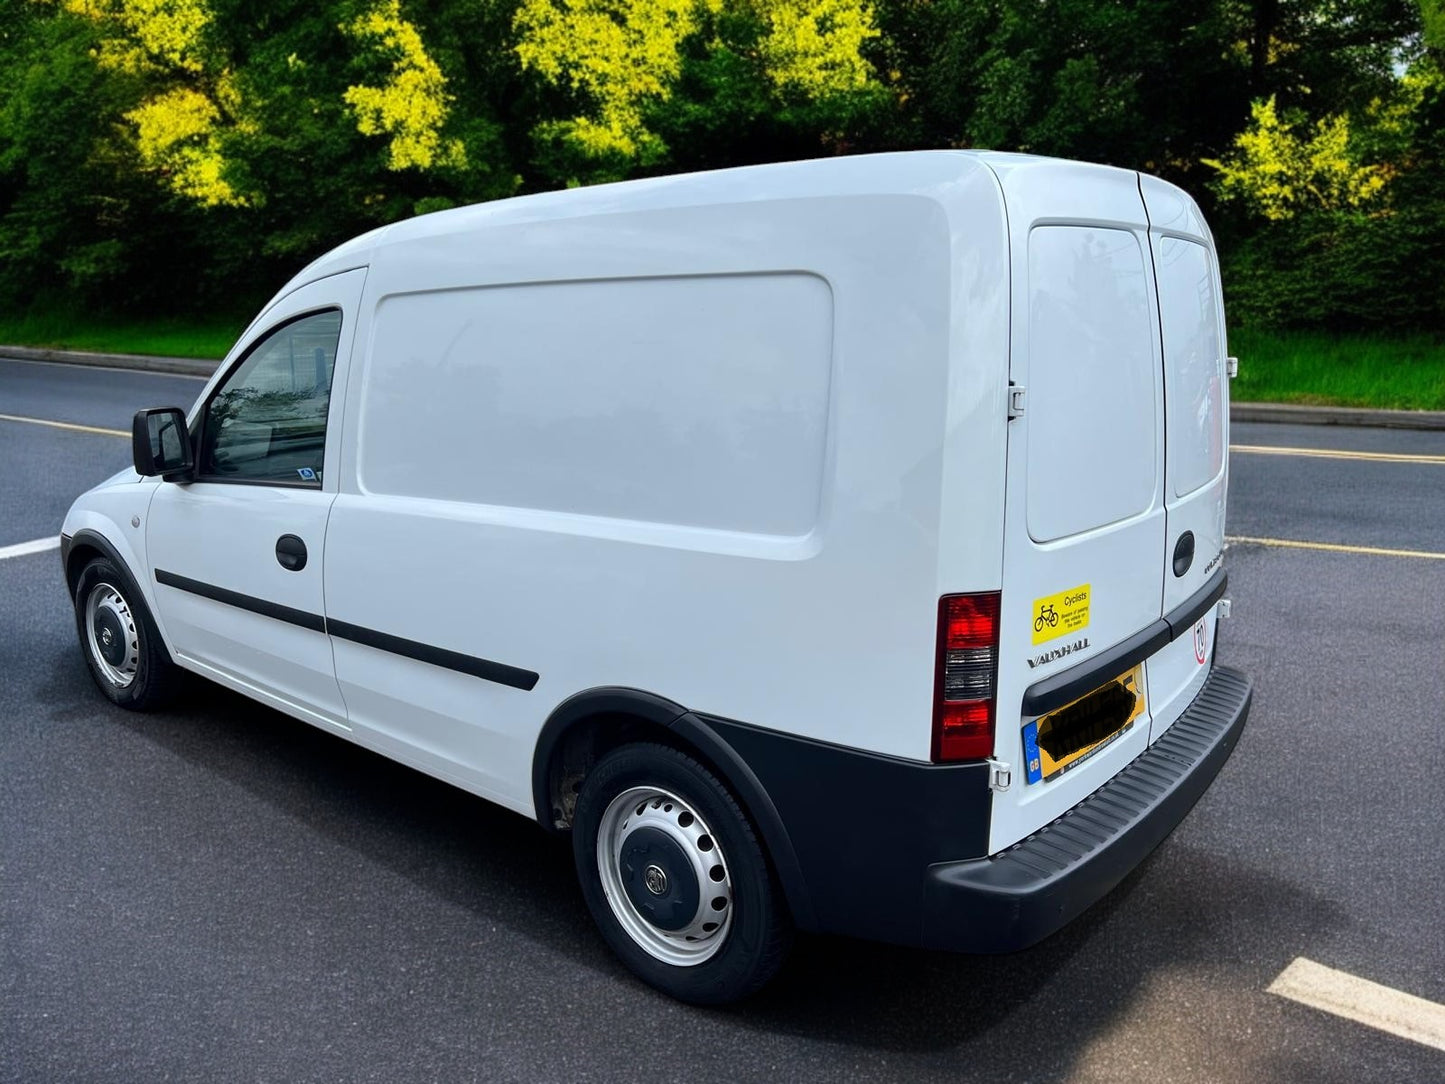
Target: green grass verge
(176,338)
(1391,373)
(1400,373)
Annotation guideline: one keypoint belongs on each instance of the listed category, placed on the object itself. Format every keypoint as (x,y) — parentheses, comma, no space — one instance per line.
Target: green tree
(1346,213)
(154,151)
(250,136)
(1279,166)
(636,77)
(76,215)
(1432,21)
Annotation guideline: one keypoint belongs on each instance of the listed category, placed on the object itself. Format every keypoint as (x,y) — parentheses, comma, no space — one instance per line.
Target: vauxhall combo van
(833,546)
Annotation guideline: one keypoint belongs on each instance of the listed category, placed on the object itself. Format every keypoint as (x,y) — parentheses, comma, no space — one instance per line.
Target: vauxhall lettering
(1057,653)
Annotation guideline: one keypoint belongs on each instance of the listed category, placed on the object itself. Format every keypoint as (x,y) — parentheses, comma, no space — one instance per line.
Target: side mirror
(161,444)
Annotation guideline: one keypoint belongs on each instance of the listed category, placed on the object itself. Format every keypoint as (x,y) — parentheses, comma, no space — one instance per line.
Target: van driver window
(267,422)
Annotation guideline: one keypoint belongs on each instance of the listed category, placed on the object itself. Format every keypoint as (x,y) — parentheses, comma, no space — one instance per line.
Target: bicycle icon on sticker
(1047,616)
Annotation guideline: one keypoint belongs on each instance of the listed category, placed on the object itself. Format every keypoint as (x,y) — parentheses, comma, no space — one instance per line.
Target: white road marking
(72,426)
(1366,1002)
(1332,547)
(1335,453)
(20,549)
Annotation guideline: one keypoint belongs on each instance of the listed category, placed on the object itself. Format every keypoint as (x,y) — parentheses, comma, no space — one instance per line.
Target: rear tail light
(965,678)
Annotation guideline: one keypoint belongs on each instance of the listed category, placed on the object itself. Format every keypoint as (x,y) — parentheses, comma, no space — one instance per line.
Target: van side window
(267,421)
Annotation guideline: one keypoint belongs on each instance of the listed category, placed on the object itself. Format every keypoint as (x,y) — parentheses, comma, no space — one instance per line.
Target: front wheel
(675,877)
(120,641)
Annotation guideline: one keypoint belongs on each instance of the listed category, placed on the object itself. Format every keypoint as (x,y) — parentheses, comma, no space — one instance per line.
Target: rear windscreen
(1193,363)
(1092,457)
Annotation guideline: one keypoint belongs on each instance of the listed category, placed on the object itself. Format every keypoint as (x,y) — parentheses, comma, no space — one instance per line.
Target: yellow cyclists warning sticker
(1057,615)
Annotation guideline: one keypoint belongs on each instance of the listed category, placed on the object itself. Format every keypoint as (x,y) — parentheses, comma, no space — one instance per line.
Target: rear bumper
(1019,896)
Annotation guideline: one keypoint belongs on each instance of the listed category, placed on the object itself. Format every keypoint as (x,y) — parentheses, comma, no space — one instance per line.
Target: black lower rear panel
(1023,894)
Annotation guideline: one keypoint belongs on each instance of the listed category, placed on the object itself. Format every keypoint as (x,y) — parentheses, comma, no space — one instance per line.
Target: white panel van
(832,546)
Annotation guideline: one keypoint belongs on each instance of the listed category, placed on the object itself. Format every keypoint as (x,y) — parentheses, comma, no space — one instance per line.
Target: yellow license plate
(1069,735)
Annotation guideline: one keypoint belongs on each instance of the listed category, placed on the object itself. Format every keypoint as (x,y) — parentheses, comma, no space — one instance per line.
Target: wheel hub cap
(659,879)
(111,635)
(664,875)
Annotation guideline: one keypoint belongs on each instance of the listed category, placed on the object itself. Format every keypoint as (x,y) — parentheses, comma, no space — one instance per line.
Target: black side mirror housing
(161,444)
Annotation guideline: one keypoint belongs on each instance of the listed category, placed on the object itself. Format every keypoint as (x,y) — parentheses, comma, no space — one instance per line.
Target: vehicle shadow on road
(498,866)
(1183,911)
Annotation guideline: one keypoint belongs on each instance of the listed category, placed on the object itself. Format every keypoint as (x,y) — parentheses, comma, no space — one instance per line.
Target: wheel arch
(85,546)
(585,726)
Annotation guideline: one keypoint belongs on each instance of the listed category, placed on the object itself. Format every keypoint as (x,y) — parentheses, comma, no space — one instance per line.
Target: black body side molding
(486,669)
(497,672)
(314,622)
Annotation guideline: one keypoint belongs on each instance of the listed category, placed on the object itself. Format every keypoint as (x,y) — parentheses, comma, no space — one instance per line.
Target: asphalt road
(221,893)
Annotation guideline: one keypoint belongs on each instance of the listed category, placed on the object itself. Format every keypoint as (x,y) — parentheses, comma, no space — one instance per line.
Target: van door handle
(291,552)
(1183,553)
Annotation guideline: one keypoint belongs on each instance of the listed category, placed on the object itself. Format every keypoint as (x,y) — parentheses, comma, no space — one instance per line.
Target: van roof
(902,173)
(899,172)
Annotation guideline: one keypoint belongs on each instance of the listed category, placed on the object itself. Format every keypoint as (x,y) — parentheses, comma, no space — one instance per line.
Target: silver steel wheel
(665,876)
(111,636)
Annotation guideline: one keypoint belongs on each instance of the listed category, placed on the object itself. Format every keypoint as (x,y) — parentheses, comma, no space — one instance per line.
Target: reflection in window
(267,423)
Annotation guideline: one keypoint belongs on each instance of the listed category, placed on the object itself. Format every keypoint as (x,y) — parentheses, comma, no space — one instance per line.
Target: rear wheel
(675,877)
(121,644)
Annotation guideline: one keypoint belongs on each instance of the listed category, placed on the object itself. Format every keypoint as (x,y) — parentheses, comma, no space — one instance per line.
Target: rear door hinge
(1000,775)
(1231,367)
(1017,393)
(1225,606)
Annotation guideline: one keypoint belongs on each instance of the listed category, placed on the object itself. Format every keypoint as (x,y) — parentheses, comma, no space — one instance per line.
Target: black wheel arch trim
(694,731)
(88,537)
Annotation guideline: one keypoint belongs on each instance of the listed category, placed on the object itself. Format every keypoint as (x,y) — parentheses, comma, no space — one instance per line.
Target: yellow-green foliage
(1279,171)
(619,53)
(149,34)
(176,132)
(813,45)
(177,128)
(623,55)
(411,106)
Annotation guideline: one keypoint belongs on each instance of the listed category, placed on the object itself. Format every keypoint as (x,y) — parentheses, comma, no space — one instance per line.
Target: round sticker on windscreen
(1199,641)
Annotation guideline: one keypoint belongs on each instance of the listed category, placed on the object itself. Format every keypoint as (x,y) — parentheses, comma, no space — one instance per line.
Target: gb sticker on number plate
(1061,614)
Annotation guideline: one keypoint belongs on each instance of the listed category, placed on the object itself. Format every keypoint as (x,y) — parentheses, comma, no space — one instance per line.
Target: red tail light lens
(964,681)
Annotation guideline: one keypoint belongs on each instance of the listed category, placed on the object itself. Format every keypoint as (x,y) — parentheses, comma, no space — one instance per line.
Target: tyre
(120,642)
(676,878)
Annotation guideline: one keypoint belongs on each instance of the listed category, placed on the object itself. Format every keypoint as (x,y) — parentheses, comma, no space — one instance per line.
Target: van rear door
(1191,318)
(1086,526)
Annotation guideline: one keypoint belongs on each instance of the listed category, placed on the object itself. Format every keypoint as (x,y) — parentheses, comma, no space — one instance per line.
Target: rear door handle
(291,552)
(1183,553)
